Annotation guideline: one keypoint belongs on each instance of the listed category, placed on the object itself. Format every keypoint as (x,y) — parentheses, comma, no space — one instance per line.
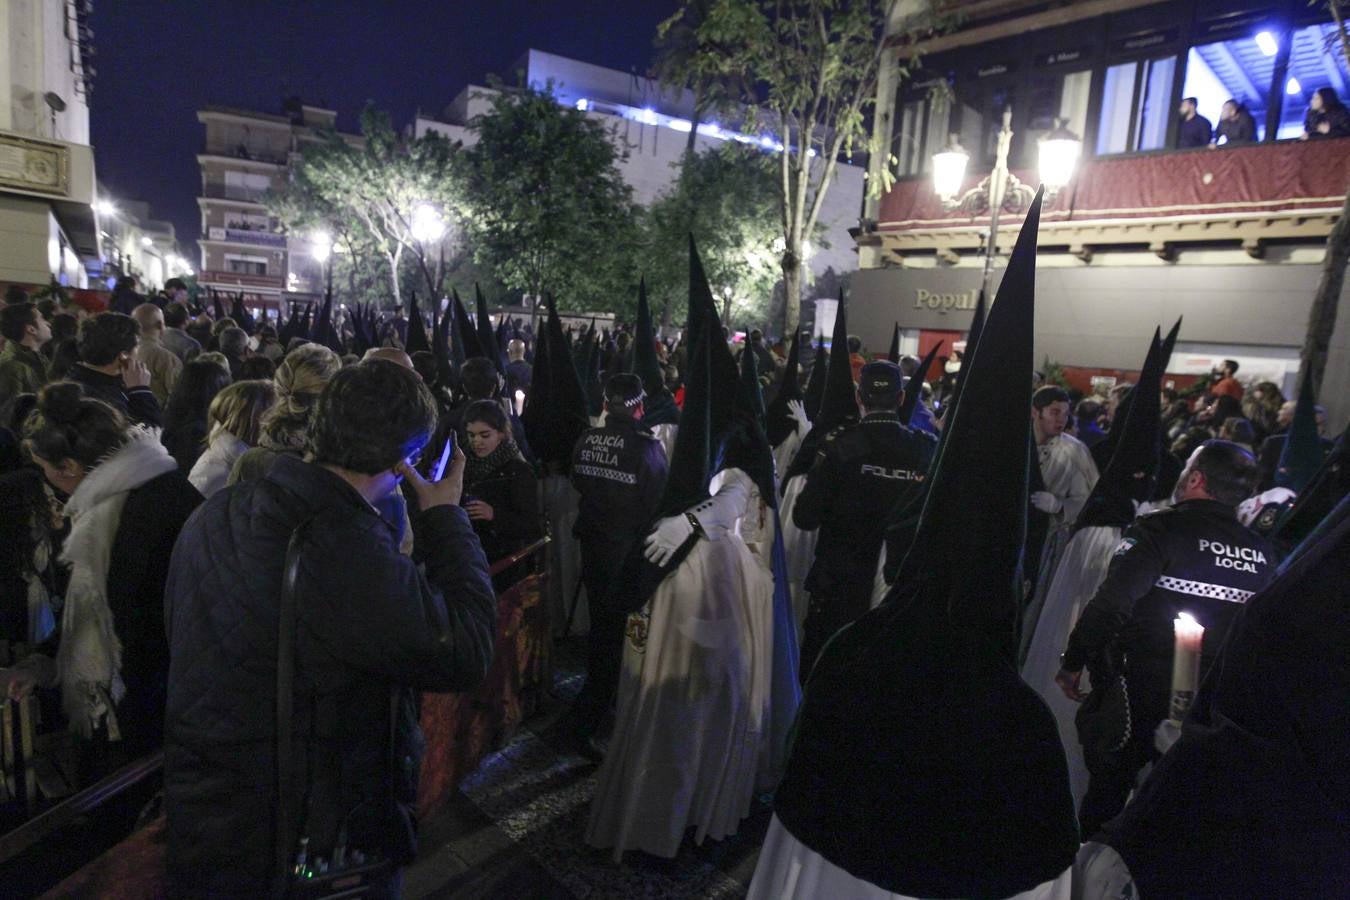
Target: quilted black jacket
(368,622)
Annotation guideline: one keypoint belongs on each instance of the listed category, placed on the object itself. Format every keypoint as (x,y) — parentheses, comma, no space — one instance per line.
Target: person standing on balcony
(1195,130)
(1236,126)
(1327,116)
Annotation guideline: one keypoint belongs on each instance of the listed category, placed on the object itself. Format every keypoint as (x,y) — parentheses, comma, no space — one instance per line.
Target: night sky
(159,62)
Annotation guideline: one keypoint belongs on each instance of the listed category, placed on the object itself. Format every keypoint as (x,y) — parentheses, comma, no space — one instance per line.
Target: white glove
(797,412)
(1165,735)
(1046,502)
(669,535)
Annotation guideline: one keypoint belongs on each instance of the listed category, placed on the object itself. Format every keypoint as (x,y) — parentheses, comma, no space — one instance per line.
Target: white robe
(694,697)
(666,435)
(561,502)
(800,547)
(1081,570)
(1069,473)
(789,870)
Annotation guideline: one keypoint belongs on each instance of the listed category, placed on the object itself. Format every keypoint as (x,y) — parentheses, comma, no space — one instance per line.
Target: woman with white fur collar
(127,502)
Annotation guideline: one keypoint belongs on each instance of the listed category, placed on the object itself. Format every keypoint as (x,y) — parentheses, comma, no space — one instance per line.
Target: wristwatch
(693,521)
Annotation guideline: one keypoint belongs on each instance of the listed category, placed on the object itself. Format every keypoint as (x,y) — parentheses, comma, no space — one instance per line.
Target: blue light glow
(583,104)
(1266,41)
(1293,87)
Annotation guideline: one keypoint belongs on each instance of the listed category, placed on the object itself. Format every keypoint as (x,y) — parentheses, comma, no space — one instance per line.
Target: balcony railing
(1281,190)
(240,151)
(234,192)
(220,279)
(248,236)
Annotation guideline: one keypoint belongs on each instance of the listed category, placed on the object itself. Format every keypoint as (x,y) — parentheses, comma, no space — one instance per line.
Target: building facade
(1231,236)
(242,249)
(48,226)
(652,124)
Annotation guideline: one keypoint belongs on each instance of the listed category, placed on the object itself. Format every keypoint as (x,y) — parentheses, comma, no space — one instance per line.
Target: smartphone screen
(438,471)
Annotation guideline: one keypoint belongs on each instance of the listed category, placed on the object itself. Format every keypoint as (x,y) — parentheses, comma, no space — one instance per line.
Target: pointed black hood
(659,407)
(1327,488)
(592,382)
(217,309)
(914,385)
(306,325)
(468,332)
(815,382)
(709,407)
(778,424)
(487,338)
(747,447)
(555,408)
(1302,454)
(1130,476)
(894,354)
(417,329)
(838,404)
(454,330)
(242,317)
(922,763)
(447,374)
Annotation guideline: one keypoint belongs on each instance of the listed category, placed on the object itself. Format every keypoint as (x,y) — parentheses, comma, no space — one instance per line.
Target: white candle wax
(1190,635)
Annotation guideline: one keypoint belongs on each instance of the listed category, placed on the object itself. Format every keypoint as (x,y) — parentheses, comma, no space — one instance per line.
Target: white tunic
(694,696)
(800,547)
(789,870)
(1068,472)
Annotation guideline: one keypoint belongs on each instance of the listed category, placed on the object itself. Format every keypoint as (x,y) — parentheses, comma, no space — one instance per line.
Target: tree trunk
(1322,315)
(792,294)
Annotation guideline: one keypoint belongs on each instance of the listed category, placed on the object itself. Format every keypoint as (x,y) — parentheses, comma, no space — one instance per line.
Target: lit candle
(1190,634)
(520,401)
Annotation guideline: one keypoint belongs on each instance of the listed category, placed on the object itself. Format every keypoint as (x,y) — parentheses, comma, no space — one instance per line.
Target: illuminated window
(1315,61)
(1240,70)
(1136,106)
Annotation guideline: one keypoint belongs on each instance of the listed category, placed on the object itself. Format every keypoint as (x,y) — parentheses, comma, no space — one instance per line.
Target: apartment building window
(922,121)
(245,265)
(246,186)
(246,221)
(1136,105)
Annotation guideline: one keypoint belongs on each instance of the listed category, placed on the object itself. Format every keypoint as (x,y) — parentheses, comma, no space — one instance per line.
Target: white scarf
(89,655)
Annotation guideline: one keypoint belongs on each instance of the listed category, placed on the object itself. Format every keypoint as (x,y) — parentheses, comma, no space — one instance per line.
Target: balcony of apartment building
(1116,83)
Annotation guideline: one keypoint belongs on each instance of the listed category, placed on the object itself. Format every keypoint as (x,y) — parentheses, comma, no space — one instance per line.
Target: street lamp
(105,207)
(321,249)
(427,224)
(146,241)
(1000,189)
(1059,151)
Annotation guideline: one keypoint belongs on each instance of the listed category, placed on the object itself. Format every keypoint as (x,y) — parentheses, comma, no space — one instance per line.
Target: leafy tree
(727,197)
(364,195)
(808,70)
(547,207)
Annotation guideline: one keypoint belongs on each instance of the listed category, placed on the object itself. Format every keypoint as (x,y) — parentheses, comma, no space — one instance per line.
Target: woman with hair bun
(285,428)
(126,503)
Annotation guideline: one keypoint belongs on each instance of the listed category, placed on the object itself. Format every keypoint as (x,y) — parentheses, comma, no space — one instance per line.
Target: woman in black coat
(185,420)
(500,491)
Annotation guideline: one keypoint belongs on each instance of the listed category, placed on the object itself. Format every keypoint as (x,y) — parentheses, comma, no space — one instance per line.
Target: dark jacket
(620,471)
(859,474)
(22,371)
(152,518)
(1196,558)
(368,622)
(1241,130)
(513,493)
(1336,118)
(1195,132)
(185,441)
(138,404)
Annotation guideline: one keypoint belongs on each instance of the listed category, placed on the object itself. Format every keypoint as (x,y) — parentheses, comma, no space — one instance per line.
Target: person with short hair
(519,373)
(163,363)
(124,296)
(1227,385)
(232,341)
(1195,130)
(861,472)
(23,368)
(1066,464)
(175,337)
(1195,558)
(108,369)
(1236,126)
(371,629)
(234,420)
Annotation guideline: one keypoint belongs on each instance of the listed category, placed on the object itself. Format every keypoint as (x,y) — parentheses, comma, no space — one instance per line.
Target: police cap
(881,383)
(624,391)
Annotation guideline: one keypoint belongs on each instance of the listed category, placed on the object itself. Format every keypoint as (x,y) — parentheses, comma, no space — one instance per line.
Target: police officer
(859,473)
(1196,558)
(620,471)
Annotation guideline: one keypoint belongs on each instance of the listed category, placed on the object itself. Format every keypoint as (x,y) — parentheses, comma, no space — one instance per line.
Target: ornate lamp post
(1001,190)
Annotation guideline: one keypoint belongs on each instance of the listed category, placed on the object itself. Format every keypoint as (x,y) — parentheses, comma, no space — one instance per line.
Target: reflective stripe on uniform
(1203,589)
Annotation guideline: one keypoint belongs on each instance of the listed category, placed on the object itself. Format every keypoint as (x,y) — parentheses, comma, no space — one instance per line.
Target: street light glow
(1266,41)
(105,208)
(949,169)
(427,224)
(320,246)
(146,242)
(1059,151)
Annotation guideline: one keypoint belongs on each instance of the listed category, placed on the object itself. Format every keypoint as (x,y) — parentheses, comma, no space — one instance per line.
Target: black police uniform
(620,472)
(860,472)
(1195,558)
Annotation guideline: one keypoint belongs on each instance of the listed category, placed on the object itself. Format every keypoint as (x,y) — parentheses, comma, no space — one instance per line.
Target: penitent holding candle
(1190,634)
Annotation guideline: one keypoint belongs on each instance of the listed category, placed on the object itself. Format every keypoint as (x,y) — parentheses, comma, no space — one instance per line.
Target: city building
(1231,237)
(652,123)
(135,244)
(242,249)
(48,226)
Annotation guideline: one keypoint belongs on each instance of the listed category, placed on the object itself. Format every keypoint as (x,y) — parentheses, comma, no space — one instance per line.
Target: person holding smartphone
(109,370)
